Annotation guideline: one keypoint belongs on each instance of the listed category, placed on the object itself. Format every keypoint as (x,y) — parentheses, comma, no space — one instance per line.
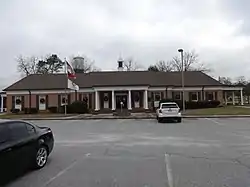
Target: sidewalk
(132,116)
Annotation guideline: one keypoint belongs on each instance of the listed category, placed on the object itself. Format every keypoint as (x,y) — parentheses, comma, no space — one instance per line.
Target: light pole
(182,79)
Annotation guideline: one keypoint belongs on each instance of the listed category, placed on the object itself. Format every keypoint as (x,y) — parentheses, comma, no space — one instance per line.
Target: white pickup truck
(168,110)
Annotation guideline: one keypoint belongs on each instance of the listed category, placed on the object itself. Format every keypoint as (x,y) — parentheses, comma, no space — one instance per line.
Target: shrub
(79,107)
(53,109)
(30,110)
(179,102)
(15,110)
(194,104)
(26,110)
(33,110)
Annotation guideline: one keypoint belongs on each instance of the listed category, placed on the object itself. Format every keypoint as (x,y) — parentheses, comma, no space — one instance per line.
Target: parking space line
(169,170)
(60,173)
(214,121)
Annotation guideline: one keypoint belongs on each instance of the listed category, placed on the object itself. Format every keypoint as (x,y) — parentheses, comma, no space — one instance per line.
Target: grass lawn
(228,110)
(20,116)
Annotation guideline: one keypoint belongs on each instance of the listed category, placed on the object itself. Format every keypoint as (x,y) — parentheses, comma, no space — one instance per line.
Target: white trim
(41,92)
(187,89)
(83,90)
(157,89)
(233,88)
(121,88)
(118,94)
(205,88)
(223,88)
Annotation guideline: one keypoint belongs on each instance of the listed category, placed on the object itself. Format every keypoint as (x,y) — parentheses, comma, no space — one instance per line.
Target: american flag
(70,71)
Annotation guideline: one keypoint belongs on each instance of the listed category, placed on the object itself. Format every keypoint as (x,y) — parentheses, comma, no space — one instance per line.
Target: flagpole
(66,86)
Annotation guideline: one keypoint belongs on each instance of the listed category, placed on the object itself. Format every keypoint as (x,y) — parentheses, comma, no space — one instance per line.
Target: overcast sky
(147,30)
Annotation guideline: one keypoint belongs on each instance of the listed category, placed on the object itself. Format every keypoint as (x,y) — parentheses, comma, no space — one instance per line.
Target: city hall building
(109,91)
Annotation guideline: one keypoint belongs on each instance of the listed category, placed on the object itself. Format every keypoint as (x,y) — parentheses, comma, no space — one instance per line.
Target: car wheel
(159,120)
(41,157)
(179,120)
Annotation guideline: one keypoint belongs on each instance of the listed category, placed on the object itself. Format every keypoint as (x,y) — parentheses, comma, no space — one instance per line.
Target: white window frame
(197,96)
(212,93)
(177,93)
(155,94)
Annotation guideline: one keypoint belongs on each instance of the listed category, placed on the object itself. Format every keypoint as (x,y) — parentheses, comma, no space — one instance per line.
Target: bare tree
(241,80)
(82,64)
(131,65)
(32,65)
(225,80)
(27,65)
(164,66)
(191,62)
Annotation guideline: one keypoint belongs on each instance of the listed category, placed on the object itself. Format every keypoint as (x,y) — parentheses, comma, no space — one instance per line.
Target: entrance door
(119,99)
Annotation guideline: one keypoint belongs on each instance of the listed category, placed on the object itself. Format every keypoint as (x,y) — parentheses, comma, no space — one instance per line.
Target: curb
(219,116)
(134,117)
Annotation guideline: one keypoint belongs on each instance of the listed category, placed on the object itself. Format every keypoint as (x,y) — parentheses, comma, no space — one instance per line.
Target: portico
(145,97)
(2,102)
(121,97)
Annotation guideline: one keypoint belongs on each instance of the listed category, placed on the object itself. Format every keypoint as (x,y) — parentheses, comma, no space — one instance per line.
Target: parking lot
(111,153)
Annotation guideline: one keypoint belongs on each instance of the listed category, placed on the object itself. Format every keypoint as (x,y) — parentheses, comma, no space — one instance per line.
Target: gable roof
(113,78)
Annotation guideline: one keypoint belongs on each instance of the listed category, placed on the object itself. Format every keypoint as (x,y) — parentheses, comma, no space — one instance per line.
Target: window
(194,96)
(30,128)
(210,96)
(4,133)
(177,96)
(157,96)
(170,105)
(18,130)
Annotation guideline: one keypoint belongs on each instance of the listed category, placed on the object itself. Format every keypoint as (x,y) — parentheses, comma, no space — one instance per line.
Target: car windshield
(169,105)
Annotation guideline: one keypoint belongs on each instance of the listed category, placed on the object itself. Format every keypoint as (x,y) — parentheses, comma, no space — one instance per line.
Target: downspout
(29,101)
(203,94)
(76,95)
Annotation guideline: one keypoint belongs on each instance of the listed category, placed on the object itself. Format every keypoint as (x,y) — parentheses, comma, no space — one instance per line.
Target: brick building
(104,91)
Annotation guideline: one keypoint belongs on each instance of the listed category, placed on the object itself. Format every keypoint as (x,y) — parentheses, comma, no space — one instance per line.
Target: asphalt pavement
(143,153)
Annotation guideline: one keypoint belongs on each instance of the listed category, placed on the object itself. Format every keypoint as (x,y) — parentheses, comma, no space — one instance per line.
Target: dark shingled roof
(114,78)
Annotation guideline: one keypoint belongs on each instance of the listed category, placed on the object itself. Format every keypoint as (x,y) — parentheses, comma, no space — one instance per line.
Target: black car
(22,146)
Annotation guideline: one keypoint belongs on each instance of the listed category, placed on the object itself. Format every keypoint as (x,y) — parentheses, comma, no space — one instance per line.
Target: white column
(97,101)
(129,100)
(113,100)
(241,97)
(226,97)
(233,99)
(146,99)
(1,103)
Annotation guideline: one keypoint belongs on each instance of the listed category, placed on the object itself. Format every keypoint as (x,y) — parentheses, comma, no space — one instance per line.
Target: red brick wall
(72,97)
(27,101)
(53,100)
(9,103)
